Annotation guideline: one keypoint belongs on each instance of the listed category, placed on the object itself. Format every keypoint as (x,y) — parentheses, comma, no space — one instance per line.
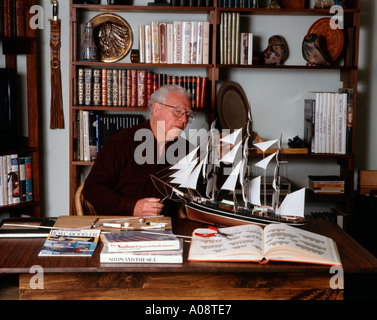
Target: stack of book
(328,121)
(16,179)
(131,87)
(93,129)
(180,42)
(141,247)
(326,184)
(235,47)
(12,18)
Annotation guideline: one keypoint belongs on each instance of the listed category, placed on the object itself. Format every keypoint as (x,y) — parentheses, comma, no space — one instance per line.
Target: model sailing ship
(203,168)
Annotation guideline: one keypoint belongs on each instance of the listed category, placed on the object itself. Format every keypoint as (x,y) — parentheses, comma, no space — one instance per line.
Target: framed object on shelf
(113,36)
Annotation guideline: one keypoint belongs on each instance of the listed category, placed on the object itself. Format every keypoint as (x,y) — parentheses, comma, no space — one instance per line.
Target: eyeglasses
(180,111)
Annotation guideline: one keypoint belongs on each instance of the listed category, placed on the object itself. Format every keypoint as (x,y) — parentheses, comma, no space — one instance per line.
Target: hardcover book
(252,243)
(159,256)
(140,241)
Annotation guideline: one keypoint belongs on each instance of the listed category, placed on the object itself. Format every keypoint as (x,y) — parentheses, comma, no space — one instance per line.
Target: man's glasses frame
(179,111)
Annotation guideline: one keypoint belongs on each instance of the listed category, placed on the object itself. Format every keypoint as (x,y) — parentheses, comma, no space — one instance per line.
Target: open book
(276,242)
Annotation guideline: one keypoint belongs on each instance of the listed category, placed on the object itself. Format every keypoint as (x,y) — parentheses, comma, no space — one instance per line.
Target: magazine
(65,242)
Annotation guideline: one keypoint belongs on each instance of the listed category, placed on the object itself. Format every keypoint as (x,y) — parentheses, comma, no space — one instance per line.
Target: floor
(9,287)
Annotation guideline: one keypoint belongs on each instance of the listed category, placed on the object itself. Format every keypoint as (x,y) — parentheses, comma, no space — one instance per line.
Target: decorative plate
(113,36)
(332,40)
(233,107)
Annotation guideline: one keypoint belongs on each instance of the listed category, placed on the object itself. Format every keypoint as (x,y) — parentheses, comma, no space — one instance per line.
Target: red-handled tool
(211,234)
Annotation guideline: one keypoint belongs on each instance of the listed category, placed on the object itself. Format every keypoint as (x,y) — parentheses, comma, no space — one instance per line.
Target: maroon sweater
(116,180)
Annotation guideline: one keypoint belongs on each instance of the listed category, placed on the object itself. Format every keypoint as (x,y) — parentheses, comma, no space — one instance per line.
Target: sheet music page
(311,243)
(241,241)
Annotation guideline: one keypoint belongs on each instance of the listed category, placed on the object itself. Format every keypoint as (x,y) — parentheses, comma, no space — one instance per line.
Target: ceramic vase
(88,46)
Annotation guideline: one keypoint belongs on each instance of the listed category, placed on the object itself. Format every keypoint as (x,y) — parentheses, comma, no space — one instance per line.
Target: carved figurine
(312,52)
(274,4)
(323,4)
(276,52)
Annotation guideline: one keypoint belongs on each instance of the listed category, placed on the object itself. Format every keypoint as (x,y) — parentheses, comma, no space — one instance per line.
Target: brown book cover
(133,88)
(8,18)
(20,18)
(193,92)
(104,87)
(109,87)
(141,88)
(115,88)
(203,92)
(163,52)
(124,88)
(128,88)
(198,91)
(154,82)
(149,86)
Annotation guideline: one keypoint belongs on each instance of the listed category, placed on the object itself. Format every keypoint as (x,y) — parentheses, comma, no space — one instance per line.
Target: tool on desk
(216,233)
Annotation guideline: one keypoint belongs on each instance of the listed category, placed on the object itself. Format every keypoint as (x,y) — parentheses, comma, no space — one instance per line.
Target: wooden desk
(87,278)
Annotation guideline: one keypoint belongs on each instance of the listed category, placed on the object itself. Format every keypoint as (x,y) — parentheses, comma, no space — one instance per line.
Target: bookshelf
(15,45)
(347,69)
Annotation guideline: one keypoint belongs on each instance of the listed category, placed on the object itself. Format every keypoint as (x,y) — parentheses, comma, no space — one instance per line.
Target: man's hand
(148,207)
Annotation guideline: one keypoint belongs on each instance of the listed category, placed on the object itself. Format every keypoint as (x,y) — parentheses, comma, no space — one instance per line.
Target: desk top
(19,255)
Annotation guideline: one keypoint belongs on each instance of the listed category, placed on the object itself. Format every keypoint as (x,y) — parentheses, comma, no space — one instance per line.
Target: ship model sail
(206,170)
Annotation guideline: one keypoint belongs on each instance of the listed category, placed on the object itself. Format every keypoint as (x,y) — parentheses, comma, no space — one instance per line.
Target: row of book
(328,122)
(238,3)
(235,47)
(132,87)
(192,3)
(180,42)
(12,18)
(326,184)
(16,179)
(93,129)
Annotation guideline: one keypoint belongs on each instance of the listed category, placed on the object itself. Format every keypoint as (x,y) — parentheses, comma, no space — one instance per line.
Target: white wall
(280,93)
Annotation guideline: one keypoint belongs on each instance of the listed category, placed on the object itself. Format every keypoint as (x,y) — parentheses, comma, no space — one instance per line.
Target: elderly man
(119,182)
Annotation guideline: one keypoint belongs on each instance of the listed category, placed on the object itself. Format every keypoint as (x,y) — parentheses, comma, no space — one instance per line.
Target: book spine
(134,88)
(142,43)
(148,44)
(22,169)
(199,50)
(124,87)
(20,18)
(250,41)
(115,88)
(15,178)
(104,87)
(88,86)
(194,42)
(205,54)
(141,88)
(169,43)
(177,39)
(186,42)
(5,179)
(155,42)
(10,179)
(1,19)
(109,85)
(97,85)
(80,86)
(1,181)
(162,38)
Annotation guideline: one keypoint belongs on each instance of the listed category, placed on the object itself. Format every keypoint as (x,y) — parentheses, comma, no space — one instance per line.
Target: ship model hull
(213,214)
